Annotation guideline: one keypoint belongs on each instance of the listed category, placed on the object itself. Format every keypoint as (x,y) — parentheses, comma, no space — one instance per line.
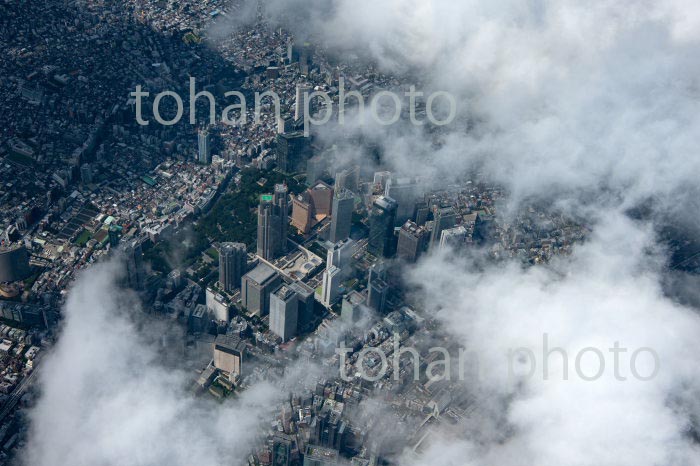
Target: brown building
(322,197)
(312,206)
(303,213)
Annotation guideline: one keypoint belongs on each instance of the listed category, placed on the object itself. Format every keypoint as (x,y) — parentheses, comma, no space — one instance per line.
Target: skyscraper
(281,200)
(331,284)
(347,178)
(341,223)
(284,312)
(351,310)
(305,305)
(135,273)
(303,213)
(272,223)
(413,241)
(315,168)
(377,287)
(381,227)
(86,173)
(299,110)
(453,237)
(204,147)
(444,218)
(256,287)
(293,150)
(232,265)
(405,192)
(340,254)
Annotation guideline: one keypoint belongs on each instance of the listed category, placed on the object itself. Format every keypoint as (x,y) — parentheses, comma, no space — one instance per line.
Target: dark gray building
(377,288)
(14,263)
(232,265)
(381,227)
(341,222)
(135,272)
(405,192)
(293,150)
(413,241)
(351,310)
(273,218)
(305,304)
(256,287)
(284,312)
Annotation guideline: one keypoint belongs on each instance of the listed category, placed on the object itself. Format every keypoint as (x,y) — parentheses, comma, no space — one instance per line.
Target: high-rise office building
(315,168)
(377,288)
(135,272)
(86,173)
(204,146)
(303,213)
(305,305)
(381,178)
(115,234)
(14,262)
(256,287)
(381,227)
(413,241)
(405,192)
(312,206)
(422,212)
(340,254)
(347,178)
(232,265)
(453,237)
(331,284)
(293,150)
(284,312)
(299,109)
(284,124)
(341,223)
(217,305)
(351,310)
(444,218)
(229,352)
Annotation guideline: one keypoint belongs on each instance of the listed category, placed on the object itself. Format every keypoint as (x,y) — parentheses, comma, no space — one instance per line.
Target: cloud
(608,291)
(108,397)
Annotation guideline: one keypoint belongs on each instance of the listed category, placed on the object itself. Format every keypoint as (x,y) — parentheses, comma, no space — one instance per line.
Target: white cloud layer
(607,292)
